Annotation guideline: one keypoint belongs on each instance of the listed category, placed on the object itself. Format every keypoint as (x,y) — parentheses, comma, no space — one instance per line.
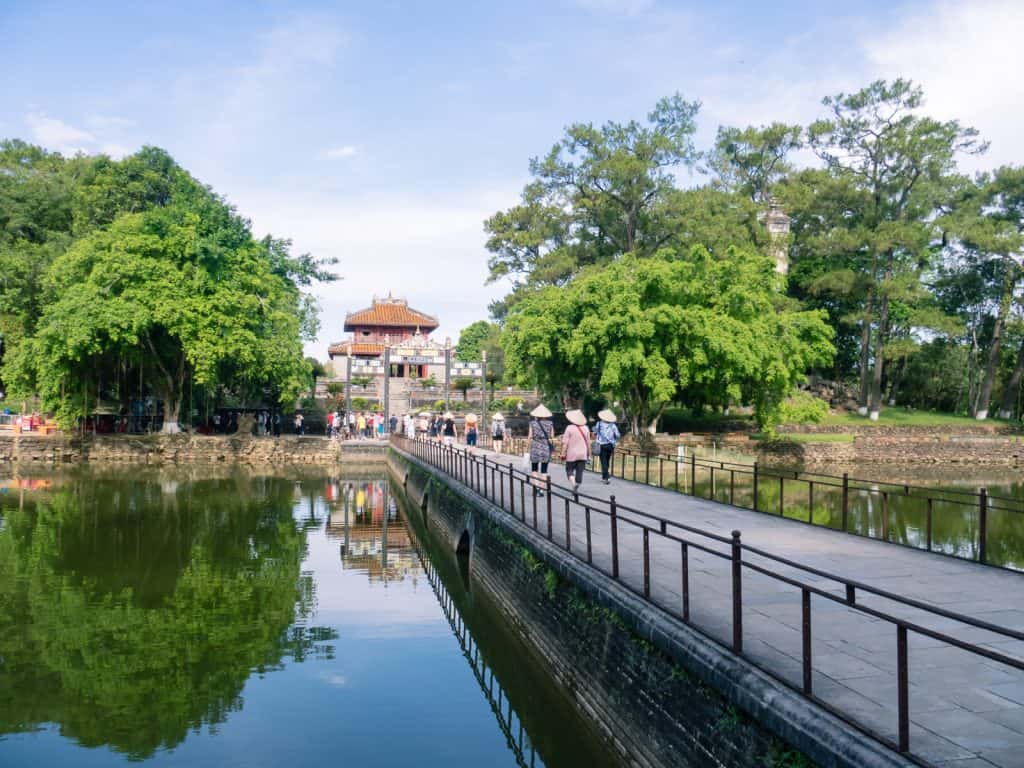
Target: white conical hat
(541,412)
(576,417)
(497,417)
(607,415)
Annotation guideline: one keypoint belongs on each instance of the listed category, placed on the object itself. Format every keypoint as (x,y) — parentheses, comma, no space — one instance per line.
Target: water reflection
(133,611)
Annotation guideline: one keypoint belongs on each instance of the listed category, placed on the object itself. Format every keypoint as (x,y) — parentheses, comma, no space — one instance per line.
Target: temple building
(390,323)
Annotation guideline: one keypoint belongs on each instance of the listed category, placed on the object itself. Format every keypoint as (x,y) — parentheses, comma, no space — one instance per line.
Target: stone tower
(777,224)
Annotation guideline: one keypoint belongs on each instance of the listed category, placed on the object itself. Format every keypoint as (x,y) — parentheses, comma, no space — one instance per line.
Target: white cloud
(341,152)
(57,135)
(428,250)
(968,58)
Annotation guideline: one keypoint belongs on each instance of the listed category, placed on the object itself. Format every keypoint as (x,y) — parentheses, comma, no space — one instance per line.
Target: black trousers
(607,449)
(575,468)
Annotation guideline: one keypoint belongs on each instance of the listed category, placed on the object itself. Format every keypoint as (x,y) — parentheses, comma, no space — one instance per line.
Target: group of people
(576,443)
(359,424)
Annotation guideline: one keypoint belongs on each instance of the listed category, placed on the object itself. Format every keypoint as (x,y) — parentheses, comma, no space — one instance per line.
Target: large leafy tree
(35,226)
(650,331)
(599,193)
(751,161)
(178,294)
(895,169)
(988,226)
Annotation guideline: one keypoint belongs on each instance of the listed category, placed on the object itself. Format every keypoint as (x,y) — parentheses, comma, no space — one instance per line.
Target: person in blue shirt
(607,435)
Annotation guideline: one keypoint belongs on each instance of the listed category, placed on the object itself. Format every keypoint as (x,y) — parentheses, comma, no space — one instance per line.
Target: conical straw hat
(576,417)
(541,412)
(607,415)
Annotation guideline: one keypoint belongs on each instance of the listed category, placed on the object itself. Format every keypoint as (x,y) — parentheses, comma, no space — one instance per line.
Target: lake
(230,617)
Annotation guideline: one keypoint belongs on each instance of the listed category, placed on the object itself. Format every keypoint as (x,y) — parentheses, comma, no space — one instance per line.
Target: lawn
(903,417)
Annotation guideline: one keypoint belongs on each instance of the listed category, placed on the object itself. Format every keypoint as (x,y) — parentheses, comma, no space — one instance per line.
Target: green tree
(989,227)
(463,384)
(895,167)
(751,161)
(472,339)
(180,293)
(599,193)
(648,331)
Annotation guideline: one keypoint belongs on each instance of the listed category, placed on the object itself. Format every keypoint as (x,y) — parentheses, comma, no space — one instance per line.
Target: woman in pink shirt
(575,447)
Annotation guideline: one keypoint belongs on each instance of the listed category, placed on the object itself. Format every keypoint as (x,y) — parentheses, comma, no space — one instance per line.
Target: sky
(383,134)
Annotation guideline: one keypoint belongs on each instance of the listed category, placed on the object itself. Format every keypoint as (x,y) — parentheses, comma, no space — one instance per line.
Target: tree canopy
(655,330)
(148,276)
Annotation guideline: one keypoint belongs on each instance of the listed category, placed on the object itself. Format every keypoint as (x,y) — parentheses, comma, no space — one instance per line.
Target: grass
(823,437)
(905,417)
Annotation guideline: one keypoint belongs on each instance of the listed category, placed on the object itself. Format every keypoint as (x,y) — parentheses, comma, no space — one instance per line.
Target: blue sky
(384,133)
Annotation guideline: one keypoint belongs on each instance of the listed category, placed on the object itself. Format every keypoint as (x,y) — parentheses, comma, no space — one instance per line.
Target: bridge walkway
(965,711)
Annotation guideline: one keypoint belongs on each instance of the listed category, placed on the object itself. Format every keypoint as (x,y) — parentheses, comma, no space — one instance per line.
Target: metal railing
(535,502)
(857,506)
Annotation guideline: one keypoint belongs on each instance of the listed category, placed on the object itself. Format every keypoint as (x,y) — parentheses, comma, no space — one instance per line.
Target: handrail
(492,479)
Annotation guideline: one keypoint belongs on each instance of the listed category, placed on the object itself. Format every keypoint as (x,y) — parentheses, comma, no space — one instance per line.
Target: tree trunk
(992,364)
(1012,389)
(875,407)
(172,411)
(865,353)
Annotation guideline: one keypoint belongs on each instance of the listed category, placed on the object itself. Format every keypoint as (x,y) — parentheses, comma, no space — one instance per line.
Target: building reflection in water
(373,537)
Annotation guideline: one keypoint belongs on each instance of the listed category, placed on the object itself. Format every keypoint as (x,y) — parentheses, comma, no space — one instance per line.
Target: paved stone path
(966,711)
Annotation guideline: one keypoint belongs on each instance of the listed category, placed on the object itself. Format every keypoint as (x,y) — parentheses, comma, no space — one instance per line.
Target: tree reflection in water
(133,609)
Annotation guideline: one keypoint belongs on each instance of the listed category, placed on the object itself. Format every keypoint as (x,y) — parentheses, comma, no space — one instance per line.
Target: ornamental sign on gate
(413,356)
(466,370)
(371,367)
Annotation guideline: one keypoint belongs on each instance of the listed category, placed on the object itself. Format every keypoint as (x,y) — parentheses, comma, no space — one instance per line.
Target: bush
(360,403)
(802,408)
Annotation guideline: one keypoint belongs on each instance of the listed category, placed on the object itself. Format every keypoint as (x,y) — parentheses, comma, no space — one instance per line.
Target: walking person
(471,430)
(607,434)
(380,426)
(361,426)
(542,433)
(448,430)
(298,424)
(497,432)
(575,447)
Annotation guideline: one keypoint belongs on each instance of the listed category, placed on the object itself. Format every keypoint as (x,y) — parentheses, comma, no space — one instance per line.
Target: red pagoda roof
(389,312)
(350,348)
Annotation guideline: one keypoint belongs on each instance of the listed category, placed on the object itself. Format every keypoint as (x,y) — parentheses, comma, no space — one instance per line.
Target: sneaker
(575,487)
(606,481)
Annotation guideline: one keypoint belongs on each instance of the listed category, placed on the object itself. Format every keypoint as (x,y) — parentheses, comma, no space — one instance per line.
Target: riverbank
(904,447)
(200,449)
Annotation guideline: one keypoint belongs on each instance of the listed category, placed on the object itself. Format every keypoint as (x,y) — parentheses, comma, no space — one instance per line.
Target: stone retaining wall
(881,449)
(159,449)
(662,693)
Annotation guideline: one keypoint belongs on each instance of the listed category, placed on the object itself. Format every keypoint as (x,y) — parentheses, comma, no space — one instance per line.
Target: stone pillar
(777,223)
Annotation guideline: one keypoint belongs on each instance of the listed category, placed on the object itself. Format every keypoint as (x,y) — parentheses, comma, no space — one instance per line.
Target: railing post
(485,477)
(547,496)
(661,472)
(647,563)
(647,469)
(685,579)
(810,502)
(755,487)
(693,472)
(846,499)
(737,593)
(982,524)
(590,553)
(929,524)
(807,640)
(615,538)
(511,489)
(782,496)
(903,688)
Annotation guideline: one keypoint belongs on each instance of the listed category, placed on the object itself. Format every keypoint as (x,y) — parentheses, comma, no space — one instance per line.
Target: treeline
(911,267)
(128,278)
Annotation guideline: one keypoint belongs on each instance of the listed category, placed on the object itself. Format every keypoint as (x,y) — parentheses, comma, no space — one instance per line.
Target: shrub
(802,408)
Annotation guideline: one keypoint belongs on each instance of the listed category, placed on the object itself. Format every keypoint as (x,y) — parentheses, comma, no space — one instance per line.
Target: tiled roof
(344,347)
(390,312)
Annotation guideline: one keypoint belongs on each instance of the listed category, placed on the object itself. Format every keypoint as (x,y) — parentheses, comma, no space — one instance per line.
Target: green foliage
(802,408)
(463,384)
(599,193)
(648,331)
(149,275)
(471,340)
(360,403)
(550,583)
(136,657)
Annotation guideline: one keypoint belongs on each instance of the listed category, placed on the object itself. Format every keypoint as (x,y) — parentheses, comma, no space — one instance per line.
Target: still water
(173,618)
